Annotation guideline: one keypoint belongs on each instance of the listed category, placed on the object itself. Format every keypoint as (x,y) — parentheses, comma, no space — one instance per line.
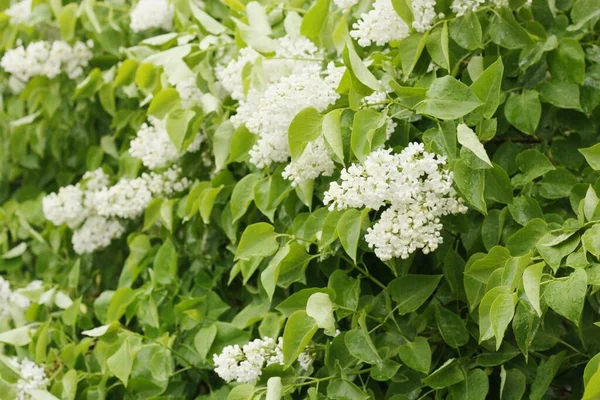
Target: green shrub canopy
(347,199)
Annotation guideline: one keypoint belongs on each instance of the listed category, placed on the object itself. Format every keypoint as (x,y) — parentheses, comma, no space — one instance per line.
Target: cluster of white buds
(314,162)
(424,14)
(19,12)
(154,147)
(380,25)
(95,209)
(189,93)
(32,377)
(244,364)
(415,188)
(460,7)
(48,59)
(345,4)
(10,299)
(150,14)
(291,56)
(279,88)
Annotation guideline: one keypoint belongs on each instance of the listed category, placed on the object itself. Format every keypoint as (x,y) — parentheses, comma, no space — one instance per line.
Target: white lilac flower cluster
(424,14)
(10,299)
(47,59)
(380,25)
(153,146)
(244,364)
(290,81)
(345,4)
(415,187)
(291,56)
(19,12)
(32,377)
(94,209)
(460,7)
(150,14)
(313,162)
(189,93)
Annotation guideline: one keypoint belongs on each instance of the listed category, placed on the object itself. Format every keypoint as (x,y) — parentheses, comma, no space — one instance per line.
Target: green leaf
(37,394)
(67,20)
(178,121)
(527,237)
(513,383)
(452,327)
(314,20)
(591,240)
(17,337)
(366,123)
(411,291)
(207,202)
(359,344)
(448,374)
(487,87)
(592,156)
(506,31)
(244,391)
(343,389)
(471,184)
(566,295)
(483,268)
(121,362)
(357,68)
(545,373)
(165,263)
(320,308)
(567,62)
(243,195)
(486,330)
(591,369)
(410,50)
(204,340)
(524,209)
(466,31)
(468,139)
(163,102)
(119,302)
(524,111)
(416,354)
(349,228)
(592,389)
(448,98)
(304,128)
(209,23)
(297,301)
(584,12)
(222,140)
(498,186)
(274,388)
(332,133)
(69,384)
(404,9)
(258,240)
(298,332)
(90,85)
(532,277)
(475,387)
(146,76)
(501,314)
(561,94)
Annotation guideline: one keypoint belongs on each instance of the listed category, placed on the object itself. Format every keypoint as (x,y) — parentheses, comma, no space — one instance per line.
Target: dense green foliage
(507,306)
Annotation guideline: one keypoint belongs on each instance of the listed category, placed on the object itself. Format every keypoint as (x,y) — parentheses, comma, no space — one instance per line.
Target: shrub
(316,200)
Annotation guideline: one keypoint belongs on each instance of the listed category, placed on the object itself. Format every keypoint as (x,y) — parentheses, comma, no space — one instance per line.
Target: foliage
(502,305)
